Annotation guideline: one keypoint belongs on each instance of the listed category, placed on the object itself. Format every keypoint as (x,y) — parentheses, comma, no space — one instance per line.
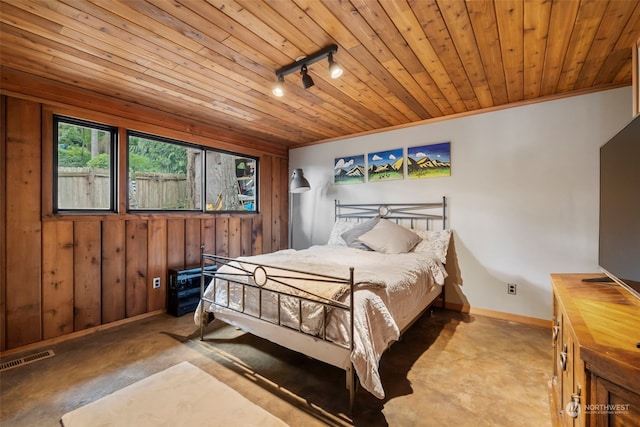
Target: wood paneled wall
(66,273)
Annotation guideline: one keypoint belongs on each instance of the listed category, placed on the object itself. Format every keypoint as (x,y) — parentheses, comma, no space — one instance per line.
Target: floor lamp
(297,184)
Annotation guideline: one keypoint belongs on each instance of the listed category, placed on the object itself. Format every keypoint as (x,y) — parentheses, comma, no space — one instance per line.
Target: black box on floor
(184,289)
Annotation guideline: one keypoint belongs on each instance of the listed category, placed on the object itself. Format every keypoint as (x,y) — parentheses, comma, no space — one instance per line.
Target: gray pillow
(390,238)
(351,236)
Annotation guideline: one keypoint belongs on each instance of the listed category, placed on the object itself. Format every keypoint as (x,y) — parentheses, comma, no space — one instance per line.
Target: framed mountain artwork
(385,165)
(349,170)
(427,161)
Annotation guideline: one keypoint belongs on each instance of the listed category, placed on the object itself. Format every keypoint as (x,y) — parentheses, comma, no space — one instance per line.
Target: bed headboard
(415,214)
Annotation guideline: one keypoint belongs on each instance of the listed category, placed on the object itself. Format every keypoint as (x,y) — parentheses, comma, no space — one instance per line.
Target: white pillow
(390,238)
(434,241)
(339,227)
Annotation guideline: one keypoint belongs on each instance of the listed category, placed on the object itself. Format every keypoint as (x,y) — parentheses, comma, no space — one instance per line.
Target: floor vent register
(10,364)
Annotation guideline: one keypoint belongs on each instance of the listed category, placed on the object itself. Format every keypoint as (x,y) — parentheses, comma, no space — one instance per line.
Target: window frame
(113,165)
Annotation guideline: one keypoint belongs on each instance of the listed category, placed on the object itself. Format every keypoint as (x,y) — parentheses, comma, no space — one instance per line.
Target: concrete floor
(449,369)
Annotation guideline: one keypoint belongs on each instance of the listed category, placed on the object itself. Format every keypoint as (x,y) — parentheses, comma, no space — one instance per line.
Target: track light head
(278,89)
(335,70)
(307,81)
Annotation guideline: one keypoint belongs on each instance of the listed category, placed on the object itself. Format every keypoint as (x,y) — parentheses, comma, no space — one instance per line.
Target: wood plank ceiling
(405,61)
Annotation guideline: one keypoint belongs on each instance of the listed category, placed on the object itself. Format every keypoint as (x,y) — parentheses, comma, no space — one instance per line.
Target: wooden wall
(62,274)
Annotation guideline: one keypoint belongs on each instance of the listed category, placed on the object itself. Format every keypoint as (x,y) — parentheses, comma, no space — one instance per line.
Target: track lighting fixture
(301,64)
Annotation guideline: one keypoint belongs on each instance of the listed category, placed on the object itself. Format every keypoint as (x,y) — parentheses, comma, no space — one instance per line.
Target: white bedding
(387,287)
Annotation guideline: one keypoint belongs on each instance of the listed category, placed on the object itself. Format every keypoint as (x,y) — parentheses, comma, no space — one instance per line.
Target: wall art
(385,165)
(427,161)
(349,170)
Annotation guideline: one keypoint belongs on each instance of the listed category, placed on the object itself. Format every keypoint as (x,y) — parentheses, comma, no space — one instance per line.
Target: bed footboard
(254,285)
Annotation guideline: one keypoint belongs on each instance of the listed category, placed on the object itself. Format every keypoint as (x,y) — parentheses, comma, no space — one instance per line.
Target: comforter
(385,286)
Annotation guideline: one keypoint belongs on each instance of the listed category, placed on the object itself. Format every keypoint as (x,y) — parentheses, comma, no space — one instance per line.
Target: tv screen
(619,248)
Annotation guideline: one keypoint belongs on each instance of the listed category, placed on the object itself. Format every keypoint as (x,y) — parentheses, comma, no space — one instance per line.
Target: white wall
(522,195)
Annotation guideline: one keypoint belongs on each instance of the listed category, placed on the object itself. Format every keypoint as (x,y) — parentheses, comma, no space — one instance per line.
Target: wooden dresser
(596,354)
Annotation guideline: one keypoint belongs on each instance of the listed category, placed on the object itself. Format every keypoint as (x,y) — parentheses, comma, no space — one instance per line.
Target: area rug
(182,395)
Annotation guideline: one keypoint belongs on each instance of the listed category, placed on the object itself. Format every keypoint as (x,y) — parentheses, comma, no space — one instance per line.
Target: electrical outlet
(511,288)
(156,282)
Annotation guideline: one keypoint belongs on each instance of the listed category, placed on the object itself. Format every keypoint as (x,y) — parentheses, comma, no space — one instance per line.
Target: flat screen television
(619,235)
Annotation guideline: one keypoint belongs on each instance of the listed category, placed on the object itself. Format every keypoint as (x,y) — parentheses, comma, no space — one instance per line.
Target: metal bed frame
(256,276)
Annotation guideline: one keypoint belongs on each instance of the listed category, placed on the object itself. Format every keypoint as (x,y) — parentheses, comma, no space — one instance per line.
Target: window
(84,177)
(167,175)
(163,174)
(230,182)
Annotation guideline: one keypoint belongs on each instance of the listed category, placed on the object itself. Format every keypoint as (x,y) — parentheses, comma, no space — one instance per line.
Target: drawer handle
(573,408)
(563,358)
(556,331)
(576,396)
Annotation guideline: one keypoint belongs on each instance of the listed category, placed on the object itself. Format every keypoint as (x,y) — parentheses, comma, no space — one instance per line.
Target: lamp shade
(298,183)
